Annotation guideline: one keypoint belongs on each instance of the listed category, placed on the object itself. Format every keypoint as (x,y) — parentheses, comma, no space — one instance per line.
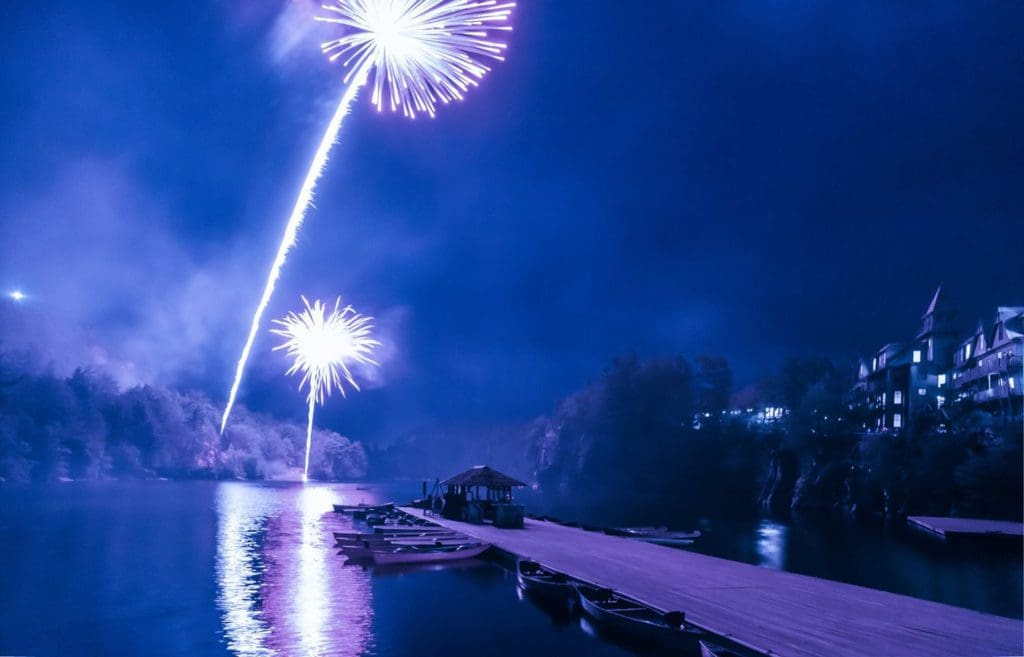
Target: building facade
(987,366)
(937,367)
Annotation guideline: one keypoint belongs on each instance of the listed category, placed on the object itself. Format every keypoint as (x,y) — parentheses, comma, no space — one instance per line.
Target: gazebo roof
(482,475)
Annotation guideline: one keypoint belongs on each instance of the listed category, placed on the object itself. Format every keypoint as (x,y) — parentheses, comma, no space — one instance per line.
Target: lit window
(883,398)
(874,364)
(939,401)
(897,421)
(942,380)
(967,351)
(1012,383)
(897,397)
(917,355)
(922,391)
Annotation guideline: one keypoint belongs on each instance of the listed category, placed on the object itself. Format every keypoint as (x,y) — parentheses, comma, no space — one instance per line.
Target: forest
(82,426)
(646,438)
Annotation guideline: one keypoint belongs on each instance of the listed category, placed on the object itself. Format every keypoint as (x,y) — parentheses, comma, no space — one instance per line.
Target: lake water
(207,568)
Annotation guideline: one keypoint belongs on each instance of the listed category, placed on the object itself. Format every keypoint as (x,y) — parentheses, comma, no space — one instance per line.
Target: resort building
(903,378)
(987,366)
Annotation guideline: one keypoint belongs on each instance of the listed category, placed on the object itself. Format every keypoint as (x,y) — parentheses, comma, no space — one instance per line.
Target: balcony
(996,392)
(1004,366)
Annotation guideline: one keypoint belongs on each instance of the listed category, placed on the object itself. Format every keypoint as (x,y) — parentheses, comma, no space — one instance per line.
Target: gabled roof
(482,475)
(934,303)
(1004,313)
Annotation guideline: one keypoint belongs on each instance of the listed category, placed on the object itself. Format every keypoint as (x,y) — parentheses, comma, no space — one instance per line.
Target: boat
(367,550)
(452,539)
(362,508)
(536,579)
(392,529)
(387,532)
(668,541)
(643,623)
(407,554)
(659,535)
(343,537)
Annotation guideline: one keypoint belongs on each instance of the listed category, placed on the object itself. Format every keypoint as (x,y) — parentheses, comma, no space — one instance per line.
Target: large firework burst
(323,347)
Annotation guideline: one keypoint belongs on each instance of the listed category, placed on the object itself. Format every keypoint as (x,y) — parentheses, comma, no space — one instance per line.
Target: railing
(995,366)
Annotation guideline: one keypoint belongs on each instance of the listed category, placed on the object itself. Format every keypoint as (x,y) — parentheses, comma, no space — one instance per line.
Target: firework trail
(323,347)
(419,53)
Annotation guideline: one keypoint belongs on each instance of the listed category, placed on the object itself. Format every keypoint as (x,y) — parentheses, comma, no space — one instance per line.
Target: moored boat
(636,619)
(342,537)
(535,578)
(407,554)
(364,508)
(396,529)
(367,550)
(659,535)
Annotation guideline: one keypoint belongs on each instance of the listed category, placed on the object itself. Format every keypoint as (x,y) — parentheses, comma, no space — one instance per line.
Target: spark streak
(291,230)
(420,53)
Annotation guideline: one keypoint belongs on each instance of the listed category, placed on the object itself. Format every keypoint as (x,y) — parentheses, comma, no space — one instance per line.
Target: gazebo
(482,493)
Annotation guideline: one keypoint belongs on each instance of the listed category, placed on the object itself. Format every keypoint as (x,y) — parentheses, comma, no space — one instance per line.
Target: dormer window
(917,355)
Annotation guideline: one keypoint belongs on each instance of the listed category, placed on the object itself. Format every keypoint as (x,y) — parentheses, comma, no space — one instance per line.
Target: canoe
(389,529)
(667,541)
(405,554)
(355,537)
(636,619)
(351,508)
(454,539)
(535,578)
(653,534)
(375,536)
(357,552)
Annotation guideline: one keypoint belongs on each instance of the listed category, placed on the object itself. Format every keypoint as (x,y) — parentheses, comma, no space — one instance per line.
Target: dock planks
(787,614)
(965,527)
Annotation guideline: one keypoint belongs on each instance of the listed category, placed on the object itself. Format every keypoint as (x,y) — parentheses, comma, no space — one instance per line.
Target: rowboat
(407,554)
(394,529)
(364,508)
(536,579)
(658,535)
(367,550)
(453,539)
(357,536)
(636,619)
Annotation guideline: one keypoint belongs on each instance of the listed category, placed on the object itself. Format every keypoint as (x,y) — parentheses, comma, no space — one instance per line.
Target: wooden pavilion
(482,493)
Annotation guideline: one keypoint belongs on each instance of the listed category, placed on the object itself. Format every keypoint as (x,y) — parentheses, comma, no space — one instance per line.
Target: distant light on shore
(17,295)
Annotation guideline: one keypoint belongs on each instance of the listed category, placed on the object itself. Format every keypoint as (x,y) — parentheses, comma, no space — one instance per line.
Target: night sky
(755,179)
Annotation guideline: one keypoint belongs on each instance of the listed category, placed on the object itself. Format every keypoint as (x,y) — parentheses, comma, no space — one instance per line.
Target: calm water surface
(205,568)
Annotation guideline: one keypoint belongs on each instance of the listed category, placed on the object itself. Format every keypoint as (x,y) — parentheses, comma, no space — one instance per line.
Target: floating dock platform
(776,612)
(968,528)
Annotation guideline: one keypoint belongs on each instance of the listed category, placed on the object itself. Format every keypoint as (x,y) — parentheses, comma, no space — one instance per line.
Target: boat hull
(402,556)
(644,625)
(543,582)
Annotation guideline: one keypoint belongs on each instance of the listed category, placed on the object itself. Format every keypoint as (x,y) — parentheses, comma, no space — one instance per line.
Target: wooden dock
(950,528)
(781,613)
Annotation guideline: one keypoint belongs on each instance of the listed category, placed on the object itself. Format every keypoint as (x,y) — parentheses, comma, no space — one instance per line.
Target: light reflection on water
(771,544)
(279,591)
